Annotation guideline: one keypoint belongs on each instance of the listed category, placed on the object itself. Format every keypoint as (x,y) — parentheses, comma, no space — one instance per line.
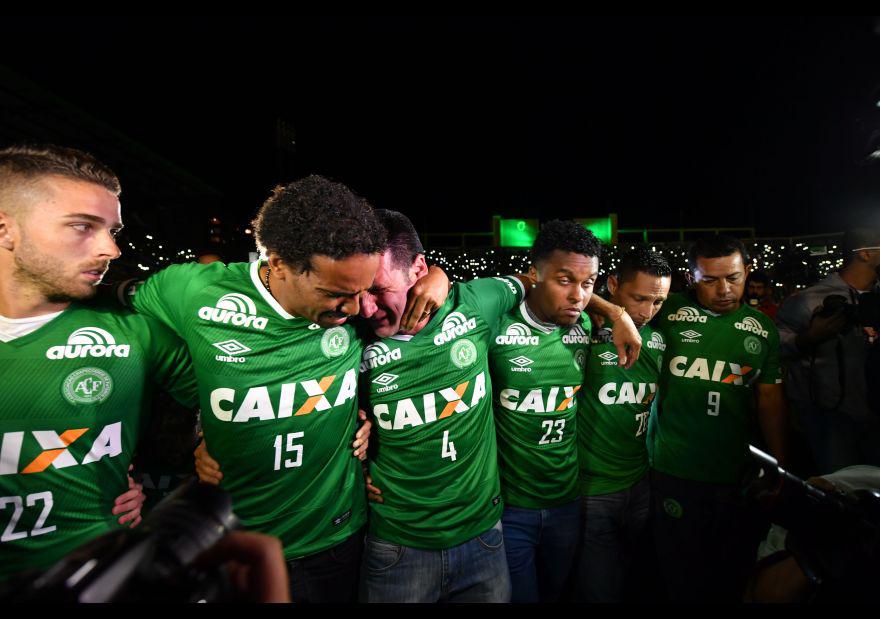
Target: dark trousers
(705,536)
(327,576)
(613,525)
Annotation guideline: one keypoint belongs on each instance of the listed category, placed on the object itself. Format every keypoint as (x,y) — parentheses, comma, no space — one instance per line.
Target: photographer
(827,333)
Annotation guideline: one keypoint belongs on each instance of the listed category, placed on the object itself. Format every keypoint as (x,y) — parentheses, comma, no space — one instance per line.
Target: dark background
(666,121)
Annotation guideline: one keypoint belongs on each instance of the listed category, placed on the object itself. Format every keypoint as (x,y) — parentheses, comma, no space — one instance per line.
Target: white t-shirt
(11,328)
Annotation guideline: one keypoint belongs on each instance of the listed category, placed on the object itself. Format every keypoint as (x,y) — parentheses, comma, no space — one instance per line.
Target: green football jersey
(279,401)
(711,364)
(537,371)
(76,394)
(430,398)
(613,411)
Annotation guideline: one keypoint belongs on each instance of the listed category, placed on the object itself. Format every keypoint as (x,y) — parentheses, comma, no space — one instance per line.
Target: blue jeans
(613,525)
(541,546)
(329,575)
(475,571)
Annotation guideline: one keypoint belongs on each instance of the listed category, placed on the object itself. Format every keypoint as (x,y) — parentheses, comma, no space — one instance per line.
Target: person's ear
(7,225)
(533,275)
(418,269)
(612,285)
(280,268)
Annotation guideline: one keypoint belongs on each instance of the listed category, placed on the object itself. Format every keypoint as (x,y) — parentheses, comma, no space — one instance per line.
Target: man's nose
(368,305)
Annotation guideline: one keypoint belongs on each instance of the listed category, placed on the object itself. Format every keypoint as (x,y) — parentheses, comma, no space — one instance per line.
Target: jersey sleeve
(495,296)
(172,369)
(162,295)
(771,371)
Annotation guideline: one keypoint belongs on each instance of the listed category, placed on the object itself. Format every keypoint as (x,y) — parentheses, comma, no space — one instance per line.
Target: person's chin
(327,322)
(81,293)
(565,320)
(724,307)
(386,331)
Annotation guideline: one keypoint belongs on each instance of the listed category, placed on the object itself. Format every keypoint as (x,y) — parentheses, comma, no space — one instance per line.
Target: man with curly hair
(277,364)
(537,360)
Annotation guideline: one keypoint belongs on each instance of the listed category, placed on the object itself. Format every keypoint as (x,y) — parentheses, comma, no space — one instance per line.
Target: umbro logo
(691,336)
(231,348)
(608,358)
(386,381)
(522,362)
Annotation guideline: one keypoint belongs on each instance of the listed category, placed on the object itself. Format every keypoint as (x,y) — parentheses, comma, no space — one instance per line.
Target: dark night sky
(668,122)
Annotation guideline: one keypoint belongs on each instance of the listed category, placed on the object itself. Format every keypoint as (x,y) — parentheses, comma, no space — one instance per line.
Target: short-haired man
(537,361)
(77,377)
(613,411)
(759,293)
(828,354)
(721,356)
(437,534)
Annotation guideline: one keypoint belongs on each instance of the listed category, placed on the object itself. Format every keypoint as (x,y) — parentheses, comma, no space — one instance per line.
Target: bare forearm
(604,308)
(773,419)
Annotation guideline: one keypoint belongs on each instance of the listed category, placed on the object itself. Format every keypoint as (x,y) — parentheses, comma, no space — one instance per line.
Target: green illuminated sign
(602,227)
(518,232)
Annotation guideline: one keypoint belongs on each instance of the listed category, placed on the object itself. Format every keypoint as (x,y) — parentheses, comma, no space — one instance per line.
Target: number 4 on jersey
(448,450)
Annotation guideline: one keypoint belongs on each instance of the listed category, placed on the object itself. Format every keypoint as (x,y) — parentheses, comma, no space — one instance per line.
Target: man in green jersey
(277,366)
(77,377)
(722,358)
(436,536)
(613,410)
(537,363)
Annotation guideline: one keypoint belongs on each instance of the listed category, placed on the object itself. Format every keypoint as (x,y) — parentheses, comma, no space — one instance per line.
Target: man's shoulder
(812,297)
(676,301)
(95,316)
(475,285)
(756,321)
(214,271)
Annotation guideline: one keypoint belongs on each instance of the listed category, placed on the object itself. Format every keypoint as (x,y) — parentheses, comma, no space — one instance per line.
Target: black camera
(155,562)
(865,314)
